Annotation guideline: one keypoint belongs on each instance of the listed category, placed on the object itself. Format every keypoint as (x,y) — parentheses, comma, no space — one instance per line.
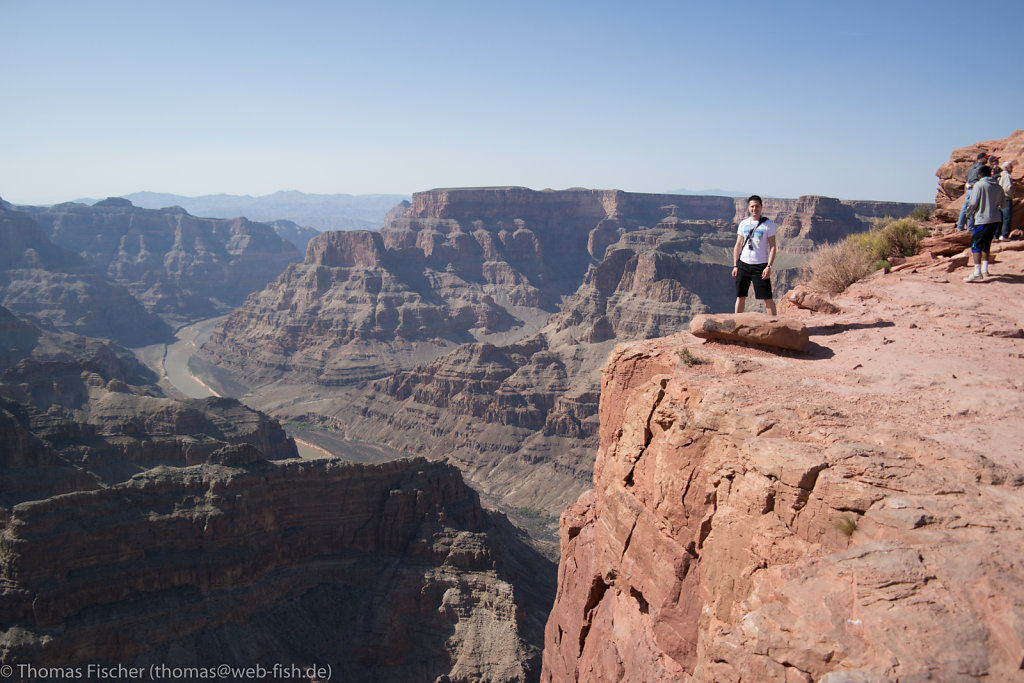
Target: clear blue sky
(853,100)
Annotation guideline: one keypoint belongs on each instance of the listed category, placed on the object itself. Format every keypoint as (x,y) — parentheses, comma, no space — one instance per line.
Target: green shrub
(923,213)
(905,235)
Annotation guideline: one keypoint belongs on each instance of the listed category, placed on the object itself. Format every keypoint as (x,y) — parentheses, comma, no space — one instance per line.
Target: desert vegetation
(837,265)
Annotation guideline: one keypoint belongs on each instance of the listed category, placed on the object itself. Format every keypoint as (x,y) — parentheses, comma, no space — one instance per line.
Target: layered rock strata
(851,513)
(57,289)
(175,264)
(386,572)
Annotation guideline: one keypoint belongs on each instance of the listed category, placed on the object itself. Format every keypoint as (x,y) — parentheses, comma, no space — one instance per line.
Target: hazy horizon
(783,99)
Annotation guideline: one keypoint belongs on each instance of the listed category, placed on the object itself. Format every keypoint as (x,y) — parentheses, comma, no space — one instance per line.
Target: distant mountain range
(318,211)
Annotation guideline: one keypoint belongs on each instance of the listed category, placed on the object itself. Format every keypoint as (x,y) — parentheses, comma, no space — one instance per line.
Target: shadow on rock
(836,328)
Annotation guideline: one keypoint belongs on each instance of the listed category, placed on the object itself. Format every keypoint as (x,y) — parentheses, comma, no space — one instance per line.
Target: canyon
(472,326)
(139,530)
(750,514)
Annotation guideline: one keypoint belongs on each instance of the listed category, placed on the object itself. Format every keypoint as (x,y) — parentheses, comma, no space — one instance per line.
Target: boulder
(811,301)
(755,328)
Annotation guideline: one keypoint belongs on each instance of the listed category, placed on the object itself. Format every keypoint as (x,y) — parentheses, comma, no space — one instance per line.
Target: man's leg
(976,260)
(963,213)
(1007,219)
(741,304)
(988,234)
(770,305)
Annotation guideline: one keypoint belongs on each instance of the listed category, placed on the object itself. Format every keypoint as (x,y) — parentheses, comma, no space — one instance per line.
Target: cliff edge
(850,513)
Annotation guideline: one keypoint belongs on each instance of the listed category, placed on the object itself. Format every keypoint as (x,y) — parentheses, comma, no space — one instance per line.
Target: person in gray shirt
(1006,182)
(985,206)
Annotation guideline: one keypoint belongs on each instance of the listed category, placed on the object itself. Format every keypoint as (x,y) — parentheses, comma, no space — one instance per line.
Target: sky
(857,100)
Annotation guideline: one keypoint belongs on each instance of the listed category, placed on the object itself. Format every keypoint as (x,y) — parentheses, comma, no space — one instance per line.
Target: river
(170,363)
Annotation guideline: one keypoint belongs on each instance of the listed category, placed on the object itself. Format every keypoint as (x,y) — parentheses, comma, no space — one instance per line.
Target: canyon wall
(59,290)
(386,572)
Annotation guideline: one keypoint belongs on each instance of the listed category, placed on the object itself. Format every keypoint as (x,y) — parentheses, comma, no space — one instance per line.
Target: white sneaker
(974,277)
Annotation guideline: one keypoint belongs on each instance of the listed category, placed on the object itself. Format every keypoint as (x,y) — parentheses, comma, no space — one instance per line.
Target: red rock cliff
(779,517)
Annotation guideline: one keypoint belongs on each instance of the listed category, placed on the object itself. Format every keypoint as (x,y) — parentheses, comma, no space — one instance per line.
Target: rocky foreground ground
(849,513)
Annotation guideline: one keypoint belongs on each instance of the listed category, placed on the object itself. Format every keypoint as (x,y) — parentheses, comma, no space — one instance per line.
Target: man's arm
(973,199)
(771,258)
(736,251)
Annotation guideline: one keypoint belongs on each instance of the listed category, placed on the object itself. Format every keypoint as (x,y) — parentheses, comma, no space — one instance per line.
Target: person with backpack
(753,255)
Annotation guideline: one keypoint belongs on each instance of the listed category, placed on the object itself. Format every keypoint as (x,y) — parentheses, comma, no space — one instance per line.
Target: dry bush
(836,266)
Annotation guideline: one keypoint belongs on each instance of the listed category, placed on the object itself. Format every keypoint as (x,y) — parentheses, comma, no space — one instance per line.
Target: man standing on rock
(985,206)
(753,255)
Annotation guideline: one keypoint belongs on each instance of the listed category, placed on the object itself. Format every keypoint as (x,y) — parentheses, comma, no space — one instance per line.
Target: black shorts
(982,235)
(751,272)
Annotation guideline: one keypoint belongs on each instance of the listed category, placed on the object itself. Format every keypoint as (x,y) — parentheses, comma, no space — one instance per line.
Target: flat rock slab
(756,328)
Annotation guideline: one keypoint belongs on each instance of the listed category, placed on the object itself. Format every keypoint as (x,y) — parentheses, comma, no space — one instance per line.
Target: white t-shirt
(756,249)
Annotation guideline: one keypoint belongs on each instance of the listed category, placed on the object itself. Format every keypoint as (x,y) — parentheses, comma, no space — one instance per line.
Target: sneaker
(974,277)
